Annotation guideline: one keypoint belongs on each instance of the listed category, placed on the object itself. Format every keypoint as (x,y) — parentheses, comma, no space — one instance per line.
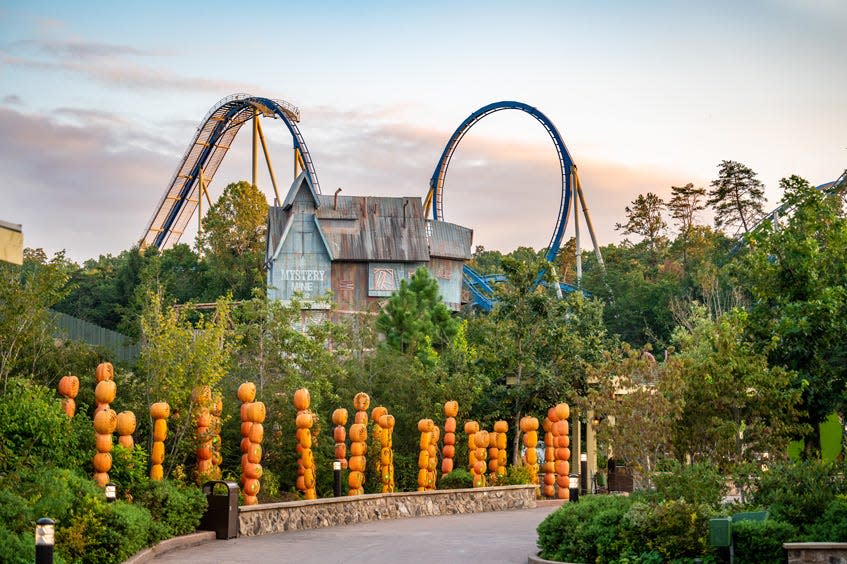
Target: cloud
(107,63)
(12,100)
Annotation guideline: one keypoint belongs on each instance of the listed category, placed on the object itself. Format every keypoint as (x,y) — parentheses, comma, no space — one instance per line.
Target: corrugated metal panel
(448,273)
(448,240)
(374,229)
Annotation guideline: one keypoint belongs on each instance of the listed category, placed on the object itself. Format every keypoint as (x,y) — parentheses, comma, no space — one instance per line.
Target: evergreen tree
(684,204)
(737,196)
(644,218)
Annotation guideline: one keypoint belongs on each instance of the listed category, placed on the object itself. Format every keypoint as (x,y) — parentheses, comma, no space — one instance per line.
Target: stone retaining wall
(272,518)
(816,552)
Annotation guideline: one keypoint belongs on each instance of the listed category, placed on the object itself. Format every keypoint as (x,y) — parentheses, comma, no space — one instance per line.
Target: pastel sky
(98,101)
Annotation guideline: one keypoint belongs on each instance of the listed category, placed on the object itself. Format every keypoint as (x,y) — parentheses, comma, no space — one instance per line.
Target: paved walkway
(502,537)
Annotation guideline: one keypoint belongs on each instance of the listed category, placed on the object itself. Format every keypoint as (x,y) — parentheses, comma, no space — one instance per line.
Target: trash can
(222,512)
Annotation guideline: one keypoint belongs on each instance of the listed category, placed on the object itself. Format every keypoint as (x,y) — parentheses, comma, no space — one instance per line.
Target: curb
(185,541)
(535,559)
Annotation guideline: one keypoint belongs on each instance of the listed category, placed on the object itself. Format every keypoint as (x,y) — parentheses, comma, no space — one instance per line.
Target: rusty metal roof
(363,228)
(448,240)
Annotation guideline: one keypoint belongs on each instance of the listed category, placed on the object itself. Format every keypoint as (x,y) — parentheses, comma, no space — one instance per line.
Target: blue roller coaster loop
(481,291)
(436,183)
(205,153)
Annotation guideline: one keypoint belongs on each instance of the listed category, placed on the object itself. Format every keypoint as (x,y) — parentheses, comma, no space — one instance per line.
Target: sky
(99,100)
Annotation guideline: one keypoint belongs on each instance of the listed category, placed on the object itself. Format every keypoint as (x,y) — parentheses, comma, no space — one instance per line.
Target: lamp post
(111,492)
(573,487)
(583,472)
(44,540)
(336,478)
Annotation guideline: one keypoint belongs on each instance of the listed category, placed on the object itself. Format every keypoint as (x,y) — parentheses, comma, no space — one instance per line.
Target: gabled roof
(302,181)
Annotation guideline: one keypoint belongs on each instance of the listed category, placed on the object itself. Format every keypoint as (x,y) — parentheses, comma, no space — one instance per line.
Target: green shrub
(456,480)
(176,509)
(100,532)
(832,525)
(129,470)
(515,476)
(697,483)
(16,548)
(798,492)
(760,542)
(674,528)
(588,531)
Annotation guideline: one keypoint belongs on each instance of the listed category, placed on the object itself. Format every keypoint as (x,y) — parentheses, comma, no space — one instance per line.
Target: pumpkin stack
(215,429)
(306,463)
(451,410)
(105,422)
(386,453)
(201,398)
(477,469)
(425,427)
(562,454)
(126,427)
(68,389)
(549,466)
(104,393)
(339,419)
(358,444)
(497,448)
(159,412)
(433,456)
(481,439)
(529,426)
(252,417)
(379,438)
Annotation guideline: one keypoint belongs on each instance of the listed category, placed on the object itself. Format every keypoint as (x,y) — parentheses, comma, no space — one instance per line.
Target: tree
(644,218)
(797,275)
(233,241)
(684,205)
(415,320)
(737,196)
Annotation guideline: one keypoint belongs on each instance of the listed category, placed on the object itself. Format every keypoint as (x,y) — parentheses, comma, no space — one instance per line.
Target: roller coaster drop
(219,127)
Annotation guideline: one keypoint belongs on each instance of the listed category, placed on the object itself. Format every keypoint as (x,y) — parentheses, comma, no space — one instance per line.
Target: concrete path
(506,537)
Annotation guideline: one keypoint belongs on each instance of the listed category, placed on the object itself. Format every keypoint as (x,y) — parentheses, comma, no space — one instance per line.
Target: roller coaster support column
(255,147)
(576,235)
(587,215)
(268,161)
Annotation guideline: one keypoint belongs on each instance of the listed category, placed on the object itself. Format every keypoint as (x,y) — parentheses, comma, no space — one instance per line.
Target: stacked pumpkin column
(252,414)
(386,452)
(379,441)
(425,427)
(215,431)
(105,394)
(497,448)
(476,464)
(68,389)
(549,467)
(529,426)
(451,410)
(433,456)
(105,421)
(358,444)
(306,463)
(159,412)
(202,399)
(126,427)
(558,416)
(339,434)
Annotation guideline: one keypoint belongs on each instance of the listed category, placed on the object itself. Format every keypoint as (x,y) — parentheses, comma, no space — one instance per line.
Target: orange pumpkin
(479,467)
(426,438)
(560,428)
(69,406)
(531,456)
(300,483)
(378,412)
(451,408)
(252,470)
(450,425)
(105,391)
(481,439)
(563,453)
(387,421)
(563,441)
(307,458)
(157,454)
(562,411)
(449,451)
(354,479)
(256,412)
(423,459)
(309,478)
(502,439)
(103,443)
(157,472)
(203,452)
(547,425)
(358,448)
(245,444)
(340,451)
(257,433)
(247,392)
(105,421)
(304,420)
(102,462)
(446,465)
(361,417)
(160,429)
(251,486)
(160,410)
(339,434)
(436,433)
(104,371)
(361,401)
(358,433)
(563,467)
(530,438)
(339,416)
(204,418)
(357,463)
(254,453)
(204,466)
(126,423)
(245,428)
(471,427)
(126,441)
(302,399)
(501,426)
(69,386)
(101,478)
(251,500)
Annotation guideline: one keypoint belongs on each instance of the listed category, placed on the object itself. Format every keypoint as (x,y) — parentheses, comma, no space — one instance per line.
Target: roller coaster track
(204,155)
(479,287)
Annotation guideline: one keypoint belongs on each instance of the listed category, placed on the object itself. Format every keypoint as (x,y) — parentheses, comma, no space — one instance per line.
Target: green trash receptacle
(720,531)
(222,512)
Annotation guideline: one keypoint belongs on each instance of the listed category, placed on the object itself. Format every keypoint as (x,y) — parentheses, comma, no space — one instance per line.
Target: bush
(698,483)
(515,476)
(760,542)
(674,529)
(797,492)
(456,480)
(129,470)
(832,526)
(588,531)
(176,508)
(100,532)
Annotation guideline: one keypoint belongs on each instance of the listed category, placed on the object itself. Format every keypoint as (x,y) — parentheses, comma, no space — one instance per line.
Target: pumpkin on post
(386,453)
(529,426)
(339,434)
(68,389)
(358,444)
(559,430)
(306,463)
(159,412)
(448,451)
(252,413)
(201,399)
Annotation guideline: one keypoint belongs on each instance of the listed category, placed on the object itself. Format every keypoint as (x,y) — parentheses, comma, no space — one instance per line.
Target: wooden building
(359,248)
